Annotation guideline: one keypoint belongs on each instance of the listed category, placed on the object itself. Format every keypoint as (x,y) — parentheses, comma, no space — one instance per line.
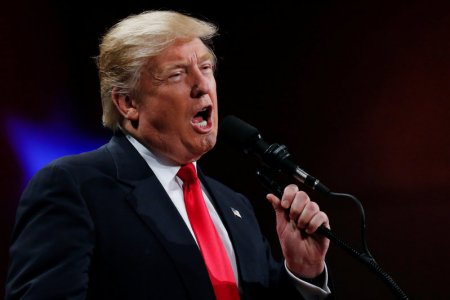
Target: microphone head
(238,133)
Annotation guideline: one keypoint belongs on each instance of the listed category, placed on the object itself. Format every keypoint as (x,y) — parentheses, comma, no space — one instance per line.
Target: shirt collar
(165,171)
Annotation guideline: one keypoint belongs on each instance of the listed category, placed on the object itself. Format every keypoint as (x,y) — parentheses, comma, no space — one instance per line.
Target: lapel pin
(236,212)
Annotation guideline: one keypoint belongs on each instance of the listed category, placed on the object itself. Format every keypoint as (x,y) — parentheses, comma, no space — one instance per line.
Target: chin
(205,146)
(210,142)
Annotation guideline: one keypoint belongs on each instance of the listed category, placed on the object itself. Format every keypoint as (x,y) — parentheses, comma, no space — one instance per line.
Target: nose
(201,84)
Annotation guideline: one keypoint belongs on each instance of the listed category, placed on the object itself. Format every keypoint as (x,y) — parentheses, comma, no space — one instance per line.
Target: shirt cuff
(308,290)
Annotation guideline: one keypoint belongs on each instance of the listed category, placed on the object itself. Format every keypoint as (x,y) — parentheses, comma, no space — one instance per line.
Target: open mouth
(202,119)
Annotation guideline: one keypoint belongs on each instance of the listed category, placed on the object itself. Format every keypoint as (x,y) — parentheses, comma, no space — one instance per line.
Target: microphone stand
(363,256)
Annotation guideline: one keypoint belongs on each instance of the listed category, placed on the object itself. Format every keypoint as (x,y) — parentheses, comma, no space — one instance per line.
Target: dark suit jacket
(99,225)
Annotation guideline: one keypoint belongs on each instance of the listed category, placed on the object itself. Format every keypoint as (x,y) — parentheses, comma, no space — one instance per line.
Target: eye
(207,68)
(175,76)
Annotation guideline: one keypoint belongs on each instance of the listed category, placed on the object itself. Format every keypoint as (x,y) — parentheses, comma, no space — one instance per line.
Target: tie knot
(187,173)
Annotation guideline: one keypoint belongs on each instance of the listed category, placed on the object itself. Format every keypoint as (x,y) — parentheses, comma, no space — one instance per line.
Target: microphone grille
(237,132)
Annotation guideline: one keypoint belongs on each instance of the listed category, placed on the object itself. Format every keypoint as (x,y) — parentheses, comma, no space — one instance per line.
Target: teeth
(202,123)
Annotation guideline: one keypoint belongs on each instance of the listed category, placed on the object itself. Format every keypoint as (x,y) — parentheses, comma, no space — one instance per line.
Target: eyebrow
(184,63)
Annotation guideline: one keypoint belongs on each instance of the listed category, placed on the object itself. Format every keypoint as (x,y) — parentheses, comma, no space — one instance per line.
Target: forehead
(182,51)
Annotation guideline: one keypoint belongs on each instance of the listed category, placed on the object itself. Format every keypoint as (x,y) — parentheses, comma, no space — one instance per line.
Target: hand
(297,219)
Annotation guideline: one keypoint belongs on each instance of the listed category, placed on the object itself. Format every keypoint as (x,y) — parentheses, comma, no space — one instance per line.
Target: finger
(316,221)
(311,208)
(299,203)
(288,195)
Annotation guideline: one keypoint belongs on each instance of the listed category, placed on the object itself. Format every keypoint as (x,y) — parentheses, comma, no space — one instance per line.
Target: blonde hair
(127,46)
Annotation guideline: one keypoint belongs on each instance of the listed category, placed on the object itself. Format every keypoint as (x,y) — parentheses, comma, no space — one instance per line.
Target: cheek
(154,122)
(159,113)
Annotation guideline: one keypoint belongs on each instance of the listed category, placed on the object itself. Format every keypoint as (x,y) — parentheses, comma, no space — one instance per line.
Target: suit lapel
(233,215)
(242,226)
(152,204)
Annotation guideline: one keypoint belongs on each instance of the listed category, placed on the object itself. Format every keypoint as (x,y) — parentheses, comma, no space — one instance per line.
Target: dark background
(358,91)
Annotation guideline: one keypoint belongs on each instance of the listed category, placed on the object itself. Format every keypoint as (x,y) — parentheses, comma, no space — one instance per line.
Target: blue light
(37,144)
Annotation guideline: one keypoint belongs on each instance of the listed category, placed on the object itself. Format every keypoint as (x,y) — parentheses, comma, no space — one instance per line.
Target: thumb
(280,212)
(274,200)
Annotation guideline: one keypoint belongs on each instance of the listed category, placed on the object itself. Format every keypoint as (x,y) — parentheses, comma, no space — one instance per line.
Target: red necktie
(211,246)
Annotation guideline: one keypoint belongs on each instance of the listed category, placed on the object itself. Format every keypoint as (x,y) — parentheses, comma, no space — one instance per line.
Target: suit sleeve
(53,240)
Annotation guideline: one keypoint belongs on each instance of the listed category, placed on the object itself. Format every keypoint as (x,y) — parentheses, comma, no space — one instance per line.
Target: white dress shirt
(167,176)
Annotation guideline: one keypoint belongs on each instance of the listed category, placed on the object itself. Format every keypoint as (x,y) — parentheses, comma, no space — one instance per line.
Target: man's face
(177,104)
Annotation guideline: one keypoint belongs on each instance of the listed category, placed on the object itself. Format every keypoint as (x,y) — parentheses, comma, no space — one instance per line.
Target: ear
(125,105)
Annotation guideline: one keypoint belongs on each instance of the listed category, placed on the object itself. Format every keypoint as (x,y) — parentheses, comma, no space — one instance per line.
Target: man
(117,222)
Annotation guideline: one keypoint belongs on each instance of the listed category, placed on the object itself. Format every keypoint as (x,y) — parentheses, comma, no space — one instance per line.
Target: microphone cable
(363,255)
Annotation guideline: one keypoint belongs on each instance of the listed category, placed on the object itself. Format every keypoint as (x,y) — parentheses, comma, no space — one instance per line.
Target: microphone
(241,134)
